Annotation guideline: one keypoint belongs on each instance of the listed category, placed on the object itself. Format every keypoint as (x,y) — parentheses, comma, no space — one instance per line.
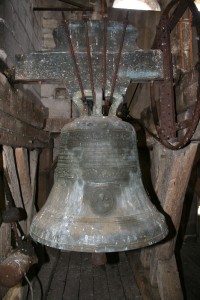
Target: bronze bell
(98,202)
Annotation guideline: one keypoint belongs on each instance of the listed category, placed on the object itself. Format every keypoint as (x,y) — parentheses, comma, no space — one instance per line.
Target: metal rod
(77,72)
(104,56)
(61,9)
(89,56)
(118,58)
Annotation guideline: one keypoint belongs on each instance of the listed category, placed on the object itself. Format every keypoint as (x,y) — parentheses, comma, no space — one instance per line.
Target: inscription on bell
(102,201)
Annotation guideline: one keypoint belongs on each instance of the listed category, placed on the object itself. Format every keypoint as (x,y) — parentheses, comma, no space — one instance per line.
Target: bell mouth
(101,234)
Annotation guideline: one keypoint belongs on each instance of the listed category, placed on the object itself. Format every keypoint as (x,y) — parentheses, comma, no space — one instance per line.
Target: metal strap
(104,79)
(76,68)
(85,18)
(118,58)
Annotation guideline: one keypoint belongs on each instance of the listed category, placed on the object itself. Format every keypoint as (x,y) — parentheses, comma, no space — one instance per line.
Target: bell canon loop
(98,202)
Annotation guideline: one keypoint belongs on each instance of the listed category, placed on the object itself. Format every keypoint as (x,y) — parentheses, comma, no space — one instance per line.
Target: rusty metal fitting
(14,214)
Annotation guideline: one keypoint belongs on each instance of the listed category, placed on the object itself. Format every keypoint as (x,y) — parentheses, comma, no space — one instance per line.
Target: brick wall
(20,28)
(20,32)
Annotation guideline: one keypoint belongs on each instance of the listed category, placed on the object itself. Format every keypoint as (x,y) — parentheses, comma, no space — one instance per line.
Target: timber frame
(25,132)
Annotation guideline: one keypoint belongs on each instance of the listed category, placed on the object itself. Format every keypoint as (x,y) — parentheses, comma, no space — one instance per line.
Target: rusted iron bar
(167,109)
(167,99)
(118,58)
(105,21)
(178,12)
(87,42)
(76,68)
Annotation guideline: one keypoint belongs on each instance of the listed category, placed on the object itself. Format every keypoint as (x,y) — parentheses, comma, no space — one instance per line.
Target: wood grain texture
(10,171)
(168,280)
(170,175)
(21,104)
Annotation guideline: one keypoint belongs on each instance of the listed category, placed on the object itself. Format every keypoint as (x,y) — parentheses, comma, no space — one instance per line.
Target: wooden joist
(16,133)
(54,125)
(21,119)
(22,105)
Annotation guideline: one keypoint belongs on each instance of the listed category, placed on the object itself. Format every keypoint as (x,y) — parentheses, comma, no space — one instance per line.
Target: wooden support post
(170,173)
(12,177)
(168,280)
(22,163)
(145,256)
(147,291)
(33,160)
(45,180)
(5,231)
(27,178)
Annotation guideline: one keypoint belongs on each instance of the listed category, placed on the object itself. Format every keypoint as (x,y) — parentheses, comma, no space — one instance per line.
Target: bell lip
(106,248)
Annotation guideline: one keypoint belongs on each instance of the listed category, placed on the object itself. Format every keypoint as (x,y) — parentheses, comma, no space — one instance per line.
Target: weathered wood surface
(26,166)
(168,280)
(148,292)
(54,125)
(45,176)
(44,274)
(21,105)
(21,119)
(170,175)
(20,170)
(186,92)
(71,276)
(5,233)
(10,172)
(33,161)
(129,285)
(16,133)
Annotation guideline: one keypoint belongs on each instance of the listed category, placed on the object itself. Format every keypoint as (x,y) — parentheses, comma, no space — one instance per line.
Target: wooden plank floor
(71,276)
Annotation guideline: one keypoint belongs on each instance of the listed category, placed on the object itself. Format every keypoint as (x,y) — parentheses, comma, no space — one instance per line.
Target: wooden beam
(168,280)
(27,164)
(45,176)
(21,105)
(12,178)
(141,275)
(54,125)
(16,133)
(170,175)
(21,118)
(33,161)
(171,186)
